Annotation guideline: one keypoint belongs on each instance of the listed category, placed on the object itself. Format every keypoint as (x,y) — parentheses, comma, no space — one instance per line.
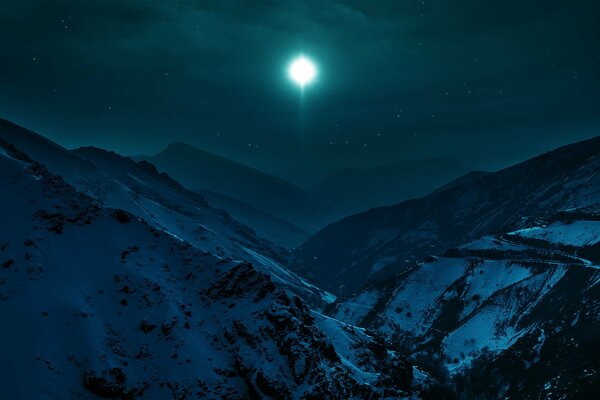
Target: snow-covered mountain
(137,187)
(118,282)
(198,170)
(382,242)
(97,302)
(513,315)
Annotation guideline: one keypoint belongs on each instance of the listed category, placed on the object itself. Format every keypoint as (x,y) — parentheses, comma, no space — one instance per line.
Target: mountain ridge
(385,240)
(119,182)
(357,189)
(199,170)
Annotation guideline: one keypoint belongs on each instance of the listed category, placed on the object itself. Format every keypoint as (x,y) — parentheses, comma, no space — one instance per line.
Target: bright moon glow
(302,71)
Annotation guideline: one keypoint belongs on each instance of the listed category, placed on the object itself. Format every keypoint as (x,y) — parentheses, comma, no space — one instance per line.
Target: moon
(302,71)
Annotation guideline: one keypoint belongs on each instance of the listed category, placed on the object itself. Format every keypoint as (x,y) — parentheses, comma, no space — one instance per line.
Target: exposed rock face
(486,311)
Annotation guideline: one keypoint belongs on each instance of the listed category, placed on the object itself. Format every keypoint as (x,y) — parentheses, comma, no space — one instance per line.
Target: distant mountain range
(353,190)
(343,193)
(200,170)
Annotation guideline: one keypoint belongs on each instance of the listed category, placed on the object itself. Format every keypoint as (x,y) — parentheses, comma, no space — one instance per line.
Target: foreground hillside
(97,302)
(137,187)
(381,242)
(508,316)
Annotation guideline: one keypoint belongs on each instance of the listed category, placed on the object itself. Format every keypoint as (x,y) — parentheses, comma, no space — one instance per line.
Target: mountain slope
(189,217)
(276,230)
(527,300)
(382,242)
(119,182)
(200,170)
(355,190)
(97,302)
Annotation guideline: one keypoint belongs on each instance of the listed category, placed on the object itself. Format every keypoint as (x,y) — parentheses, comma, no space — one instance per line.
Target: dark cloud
(405,78)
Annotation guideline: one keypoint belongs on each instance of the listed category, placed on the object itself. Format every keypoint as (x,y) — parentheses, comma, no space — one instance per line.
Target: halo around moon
(302,71)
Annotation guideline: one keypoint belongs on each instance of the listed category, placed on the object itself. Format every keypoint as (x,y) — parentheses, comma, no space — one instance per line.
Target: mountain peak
(179,146)
(200,170)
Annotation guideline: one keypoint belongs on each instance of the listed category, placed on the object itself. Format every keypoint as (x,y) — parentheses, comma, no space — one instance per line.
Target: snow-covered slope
(95,301)
(119,182)
(491,299)
(382,242)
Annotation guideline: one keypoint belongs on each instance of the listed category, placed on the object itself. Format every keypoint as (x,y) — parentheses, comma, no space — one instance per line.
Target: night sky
(488,82)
